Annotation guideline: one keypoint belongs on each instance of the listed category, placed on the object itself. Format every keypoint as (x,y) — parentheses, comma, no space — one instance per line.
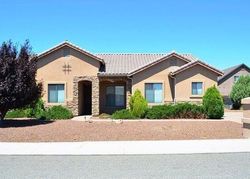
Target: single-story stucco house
(90,84)
(231,75)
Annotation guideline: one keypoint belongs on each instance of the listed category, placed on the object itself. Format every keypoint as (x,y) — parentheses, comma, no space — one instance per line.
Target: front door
(87,98)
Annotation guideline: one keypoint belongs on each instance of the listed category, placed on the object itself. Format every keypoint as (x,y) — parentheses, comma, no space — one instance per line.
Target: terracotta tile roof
(125,64)
(193,63)
(73,46)
(128,64)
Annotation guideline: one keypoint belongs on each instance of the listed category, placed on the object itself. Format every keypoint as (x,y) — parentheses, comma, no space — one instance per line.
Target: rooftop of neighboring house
(234,69)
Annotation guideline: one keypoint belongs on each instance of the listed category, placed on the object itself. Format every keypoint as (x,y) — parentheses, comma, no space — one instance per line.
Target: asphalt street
(233,165)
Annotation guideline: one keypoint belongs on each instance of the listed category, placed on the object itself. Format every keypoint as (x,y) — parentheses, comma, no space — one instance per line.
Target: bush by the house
(122,114)
(17,113)
(38,111)
(189,111)
(138,104)
(213,103)
(180,110)
(240,90)
(160,112)
(57,112)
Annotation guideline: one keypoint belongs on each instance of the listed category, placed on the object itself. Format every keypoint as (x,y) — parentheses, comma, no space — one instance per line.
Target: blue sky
(217,31)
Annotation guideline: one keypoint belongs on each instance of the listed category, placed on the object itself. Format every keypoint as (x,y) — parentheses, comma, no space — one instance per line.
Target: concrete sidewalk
(126,147)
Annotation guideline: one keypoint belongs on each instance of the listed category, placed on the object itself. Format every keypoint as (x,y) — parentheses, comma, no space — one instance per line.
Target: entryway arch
(85,97)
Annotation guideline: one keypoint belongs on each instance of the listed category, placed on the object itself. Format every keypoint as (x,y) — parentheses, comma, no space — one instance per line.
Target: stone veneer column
(95,96)
(128,92)
(246,117)
(74,105)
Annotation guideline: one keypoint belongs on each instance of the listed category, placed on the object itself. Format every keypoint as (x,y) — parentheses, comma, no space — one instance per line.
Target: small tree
(213,103)
(18,86)
(138,104)
(240,90)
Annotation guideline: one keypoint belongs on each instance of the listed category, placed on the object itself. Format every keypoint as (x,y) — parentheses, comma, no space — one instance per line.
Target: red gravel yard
(58,131)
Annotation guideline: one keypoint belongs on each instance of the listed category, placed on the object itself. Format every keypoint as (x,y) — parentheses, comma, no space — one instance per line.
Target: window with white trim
(197,88)
(56,93)
(154,92)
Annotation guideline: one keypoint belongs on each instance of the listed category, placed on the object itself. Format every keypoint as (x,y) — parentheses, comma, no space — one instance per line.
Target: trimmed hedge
(123,114)
(57,112)
(17,113)
(213,103)
(138,104)
(177,111)
(38,111)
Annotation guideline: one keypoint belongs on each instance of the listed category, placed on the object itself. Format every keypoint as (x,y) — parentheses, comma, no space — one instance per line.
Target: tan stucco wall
(157,74)
(226,86)
(50,70)
(194,74)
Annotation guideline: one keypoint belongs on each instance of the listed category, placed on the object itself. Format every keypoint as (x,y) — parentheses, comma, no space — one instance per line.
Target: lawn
(68,130)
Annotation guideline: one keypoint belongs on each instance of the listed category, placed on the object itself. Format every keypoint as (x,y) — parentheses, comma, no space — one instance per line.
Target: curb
(126,147)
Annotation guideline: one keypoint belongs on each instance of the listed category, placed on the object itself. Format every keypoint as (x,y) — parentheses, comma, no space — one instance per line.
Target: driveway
(234,116)
(233,165)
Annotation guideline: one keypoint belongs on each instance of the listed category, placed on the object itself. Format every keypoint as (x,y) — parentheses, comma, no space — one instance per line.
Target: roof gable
(230,71)
(146,66)
(70,45)
(191,64)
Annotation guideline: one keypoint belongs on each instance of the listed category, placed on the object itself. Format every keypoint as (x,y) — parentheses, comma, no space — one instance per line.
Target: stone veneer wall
(74,105)
(246,117)
(128,92)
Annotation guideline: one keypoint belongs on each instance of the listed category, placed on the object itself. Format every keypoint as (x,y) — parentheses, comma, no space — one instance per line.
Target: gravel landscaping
(68,130)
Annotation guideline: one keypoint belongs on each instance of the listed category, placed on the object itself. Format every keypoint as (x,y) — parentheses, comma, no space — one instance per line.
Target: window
(66,52)
(197,88)
(56,93)
(153,92)
(236,78)
(115,96)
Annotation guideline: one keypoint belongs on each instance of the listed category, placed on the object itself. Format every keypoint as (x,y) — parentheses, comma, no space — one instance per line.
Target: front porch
(93,95)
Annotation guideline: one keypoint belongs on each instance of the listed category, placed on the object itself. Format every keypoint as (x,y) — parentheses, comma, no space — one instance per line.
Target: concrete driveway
(234,116)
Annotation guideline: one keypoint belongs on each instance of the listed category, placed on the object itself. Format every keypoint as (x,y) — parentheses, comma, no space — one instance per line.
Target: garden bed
(68,130)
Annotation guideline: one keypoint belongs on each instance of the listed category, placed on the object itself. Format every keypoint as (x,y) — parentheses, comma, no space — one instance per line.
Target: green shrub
(122,114)
(17,113)
(177,111)
(160,112)
(213,103)
(189,111)
(138,104)
(240,90)
(37,109)
(57,112)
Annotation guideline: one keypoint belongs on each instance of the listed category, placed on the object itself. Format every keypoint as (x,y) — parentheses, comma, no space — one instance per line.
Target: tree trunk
(2,115)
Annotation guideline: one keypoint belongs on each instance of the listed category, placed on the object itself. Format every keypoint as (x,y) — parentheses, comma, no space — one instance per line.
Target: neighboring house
(231,75)
(90,84)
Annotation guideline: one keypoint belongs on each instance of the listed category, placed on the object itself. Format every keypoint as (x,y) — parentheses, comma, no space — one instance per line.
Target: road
(136,166)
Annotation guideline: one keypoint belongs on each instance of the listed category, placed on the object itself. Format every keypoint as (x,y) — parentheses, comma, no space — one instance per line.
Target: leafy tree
(138,104)
(18,86)
(213,103)
(240,90)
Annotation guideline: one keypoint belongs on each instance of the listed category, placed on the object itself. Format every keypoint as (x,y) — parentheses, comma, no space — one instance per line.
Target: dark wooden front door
(87,99)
